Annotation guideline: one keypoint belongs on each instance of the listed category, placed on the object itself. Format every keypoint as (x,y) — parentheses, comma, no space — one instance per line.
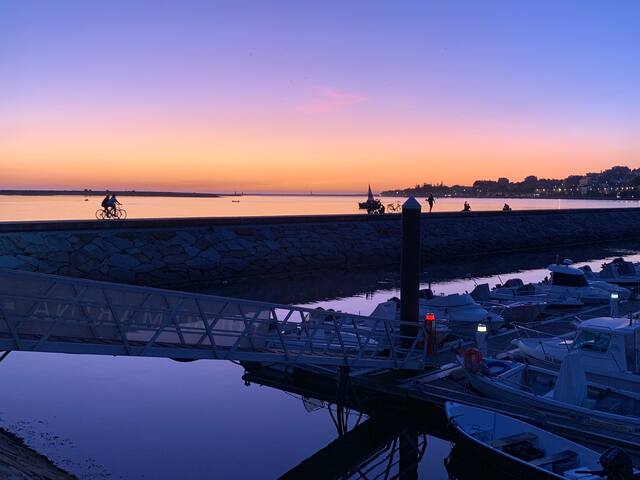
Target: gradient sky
(322,96)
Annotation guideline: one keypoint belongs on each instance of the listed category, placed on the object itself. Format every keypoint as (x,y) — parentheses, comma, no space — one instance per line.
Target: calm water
(75,207)
(134,418)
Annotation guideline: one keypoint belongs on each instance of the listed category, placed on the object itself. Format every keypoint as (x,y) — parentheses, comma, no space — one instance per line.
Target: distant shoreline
(386,195)
(142,193)
(123,193)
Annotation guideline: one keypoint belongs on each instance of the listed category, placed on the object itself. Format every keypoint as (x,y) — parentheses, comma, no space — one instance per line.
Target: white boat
(523,311)
(527,452)
(460,310)
(566,286)
(456,311)
(319,330)
(515,290)
(619,272)
(609,348)
(512,311)
(390,310)
(566,392)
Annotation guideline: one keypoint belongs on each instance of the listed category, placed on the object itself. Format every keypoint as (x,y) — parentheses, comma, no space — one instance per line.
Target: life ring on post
(472,359)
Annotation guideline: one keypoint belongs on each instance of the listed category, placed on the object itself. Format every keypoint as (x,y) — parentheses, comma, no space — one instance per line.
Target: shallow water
(134,418)
(70,207)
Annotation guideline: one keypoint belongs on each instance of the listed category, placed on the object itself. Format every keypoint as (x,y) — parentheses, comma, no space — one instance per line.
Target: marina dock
(55,314)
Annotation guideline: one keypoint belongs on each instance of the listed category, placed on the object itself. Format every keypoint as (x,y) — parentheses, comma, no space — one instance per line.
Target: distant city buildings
(617,182)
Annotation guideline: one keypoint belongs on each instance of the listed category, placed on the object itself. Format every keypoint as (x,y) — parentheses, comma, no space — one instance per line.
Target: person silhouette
(431,201)
(113,201)
(467,207)
(105,203)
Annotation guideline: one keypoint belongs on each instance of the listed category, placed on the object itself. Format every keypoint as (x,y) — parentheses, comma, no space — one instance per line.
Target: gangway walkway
(48,313)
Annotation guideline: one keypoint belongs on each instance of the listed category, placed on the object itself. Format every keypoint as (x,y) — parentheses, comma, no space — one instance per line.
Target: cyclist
(105,205)
(113,201)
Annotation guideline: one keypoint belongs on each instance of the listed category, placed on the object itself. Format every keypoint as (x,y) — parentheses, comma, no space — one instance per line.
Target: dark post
(410,271)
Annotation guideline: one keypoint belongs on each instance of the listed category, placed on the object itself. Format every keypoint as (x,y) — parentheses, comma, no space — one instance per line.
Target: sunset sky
(322,96)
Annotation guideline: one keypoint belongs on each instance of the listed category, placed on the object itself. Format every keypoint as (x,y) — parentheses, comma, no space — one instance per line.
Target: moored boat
(566,287)
(525,451)
(609,348)
(618,271)
(566,392)
(457,311)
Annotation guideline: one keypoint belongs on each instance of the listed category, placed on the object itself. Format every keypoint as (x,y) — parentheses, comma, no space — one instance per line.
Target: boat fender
(472,359)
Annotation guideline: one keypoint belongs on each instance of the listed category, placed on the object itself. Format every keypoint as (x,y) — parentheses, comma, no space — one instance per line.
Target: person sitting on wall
(506,208)
(467,207)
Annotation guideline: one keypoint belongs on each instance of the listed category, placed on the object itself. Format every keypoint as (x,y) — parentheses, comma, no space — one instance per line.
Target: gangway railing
(48,313)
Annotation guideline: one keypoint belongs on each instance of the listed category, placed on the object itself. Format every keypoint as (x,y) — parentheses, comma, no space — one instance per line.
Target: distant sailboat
(371,205)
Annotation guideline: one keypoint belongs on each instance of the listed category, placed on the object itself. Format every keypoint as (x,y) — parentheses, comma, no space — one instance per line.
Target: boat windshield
(568,280)
(592,341)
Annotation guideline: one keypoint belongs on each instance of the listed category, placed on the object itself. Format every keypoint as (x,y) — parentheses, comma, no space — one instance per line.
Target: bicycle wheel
(121,214)
(100,214)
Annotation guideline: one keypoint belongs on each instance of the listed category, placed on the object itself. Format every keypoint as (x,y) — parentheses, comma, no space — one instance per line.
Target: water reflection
(390,443)
(132,418)
(376,448)
(66,207)
(376,285)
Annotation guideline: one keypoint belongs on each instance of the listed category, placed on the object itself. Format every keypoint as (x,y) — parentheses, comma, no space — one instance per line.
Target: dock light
(614,304)
(430,319)
(481,338)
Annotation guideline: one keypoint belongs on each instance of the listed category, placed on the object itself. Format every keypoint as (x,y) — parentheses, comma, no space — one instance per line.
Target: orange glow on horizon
(292,156)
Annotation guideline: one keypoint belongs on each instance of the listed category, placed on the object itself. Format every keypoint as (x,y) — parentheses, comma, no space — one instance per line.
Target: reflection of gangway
(47,313)
(379,448)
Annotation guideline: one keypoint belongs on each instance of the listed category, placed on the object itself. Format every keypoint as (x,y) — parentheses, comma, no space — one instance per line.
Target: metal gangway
(48,313)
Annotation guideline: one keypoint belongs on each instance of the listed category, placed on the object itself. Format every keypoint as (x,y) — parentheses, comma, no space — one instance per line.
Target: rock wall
(172,251)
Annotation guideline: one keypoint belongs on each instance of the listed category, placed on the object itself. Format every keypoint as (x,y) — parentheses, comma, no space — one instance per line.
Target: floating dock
(47,313)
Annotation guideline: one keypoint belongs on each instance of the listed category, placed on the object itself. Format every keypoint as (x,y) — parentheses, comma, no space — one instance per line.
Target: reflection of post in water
(409,454)
(340,420)
(377,448)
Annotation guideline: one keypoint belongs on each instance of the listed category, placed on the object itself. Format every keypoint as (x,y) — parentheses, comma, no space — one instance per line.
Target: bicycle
(394,207)
(120,214)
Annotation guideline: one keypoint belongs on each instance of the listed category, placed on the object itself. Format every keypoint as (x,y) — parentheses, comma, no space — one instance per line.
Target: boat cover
(571,386)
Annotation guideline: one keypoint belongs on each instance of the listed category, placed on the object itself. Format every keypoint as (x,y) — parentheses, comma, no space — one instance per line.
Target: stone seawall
(171,251)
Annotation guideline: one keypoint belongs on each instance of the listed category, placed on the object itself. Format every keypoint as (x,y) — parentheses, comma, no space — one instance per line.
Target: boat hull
(495,464)
(583,416)
(490,427)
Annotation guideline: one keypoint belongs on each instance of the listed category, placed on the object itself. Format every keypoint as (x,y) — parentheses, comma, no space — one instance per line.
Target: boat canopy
(566,276)
(623,325)
(513,283)
(566,269)
(450,301)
